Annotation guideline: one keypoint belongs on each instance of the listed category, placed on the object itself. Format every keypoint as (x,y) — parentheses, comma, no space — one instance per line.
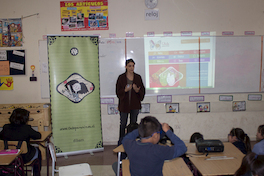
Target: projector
(209,146)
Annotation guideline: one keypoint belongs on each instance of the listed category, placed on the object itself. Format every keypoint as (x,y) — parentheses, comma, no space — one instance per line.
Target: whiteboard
(237,65)
(44,69)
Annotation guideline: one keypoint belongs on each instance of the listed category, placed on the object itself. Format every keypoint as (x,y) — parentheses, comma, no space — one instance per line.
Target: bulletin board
(12,62)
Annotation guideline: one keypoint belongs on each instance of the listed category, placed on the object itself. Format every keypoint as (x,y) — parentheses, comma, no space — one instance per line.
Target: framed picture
(112,109)
(239,106)
(203,107)
(172,107)
(145,108)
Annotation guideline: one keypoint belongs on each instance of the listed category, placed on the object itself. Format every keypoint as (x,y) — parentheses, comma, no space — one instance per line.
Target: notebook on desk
(9,152)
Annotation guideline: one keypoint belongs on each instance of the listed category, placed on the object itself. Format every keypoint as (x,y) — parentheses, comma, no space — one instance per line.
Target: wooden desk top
(44,136)
(176,167)
(7,159)
(216,167)
(230,150)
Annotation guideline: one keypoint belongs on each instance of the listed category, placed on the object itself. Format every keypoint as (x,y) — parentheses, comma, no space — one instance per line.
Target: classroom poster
(84,15)
(6,83)
(75,93)
(11,32)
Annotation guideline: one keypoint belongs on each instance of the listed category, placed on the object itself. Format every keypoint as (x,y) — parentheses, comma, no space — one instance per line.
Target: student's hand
(165,127)
(128,87)
(136,88)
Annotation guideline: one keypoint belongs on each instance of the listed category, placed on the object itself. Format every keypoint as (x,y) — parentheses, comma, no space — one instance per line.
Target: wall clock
(151,4)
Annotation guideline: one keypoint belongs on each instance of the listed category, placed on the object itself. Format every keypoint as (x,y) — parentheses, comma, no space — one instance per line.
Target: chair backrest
(14,144)
(2,145)
(125,167)
(52,152)
(53,156)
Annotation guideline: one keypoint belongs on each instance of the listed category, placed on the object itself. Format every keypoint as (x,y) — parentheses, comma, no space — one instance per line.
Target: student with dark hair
(18,130)
(252,164)
(195,136)
(240,139)
(145,155)
(130,91)
(259,147)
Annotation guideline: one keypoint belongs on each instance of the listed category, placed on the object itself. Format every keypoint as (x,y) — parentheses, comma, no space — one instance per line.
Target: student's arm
(34,134)
(131,136)
(179,146)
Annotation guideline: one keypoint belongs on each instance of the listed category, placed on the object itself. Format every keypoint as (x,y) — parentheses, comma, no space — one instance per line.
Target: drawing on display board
(75,88)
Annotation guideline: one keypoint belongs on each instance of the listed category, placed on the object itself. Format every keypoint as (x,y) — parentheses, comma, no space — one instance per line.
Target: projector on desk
(209,145)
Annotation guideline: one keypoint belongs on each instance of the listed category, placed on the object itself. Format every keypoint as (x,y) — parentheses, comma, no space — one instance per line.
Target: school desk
(44,142)
(174,167)
(219,163)
(171,167)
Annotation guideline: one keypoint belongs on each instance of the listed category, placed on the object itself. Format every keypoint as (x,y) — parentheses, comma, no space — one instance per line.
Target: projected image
(164,76)
(175,62)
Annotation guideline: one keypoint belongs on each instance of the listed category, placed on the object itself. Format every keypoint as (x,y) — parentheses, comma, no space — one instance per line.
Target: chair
(23,149)
(125,167)
(82,169)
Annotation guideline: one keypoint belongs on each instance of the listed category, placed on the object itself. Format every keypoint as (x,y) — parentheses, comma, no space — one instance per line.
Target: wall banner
(75,93)
(84,15)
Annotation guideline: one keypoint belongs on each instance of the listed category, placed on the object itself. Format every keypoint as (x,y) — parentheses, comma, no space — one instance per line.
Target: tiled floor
(107,157)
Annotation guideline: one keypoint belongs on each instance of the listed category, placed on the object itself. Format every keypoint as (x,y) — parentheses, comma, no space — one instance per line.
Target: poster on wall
(6,83)
(75,93)
(10,32)
(84,15)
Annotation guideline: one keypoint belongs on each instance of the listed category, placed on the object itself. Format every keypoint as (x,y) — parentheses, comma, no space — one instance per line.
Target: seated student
(195,136)
(251,164)
(259,147)
(18,130)
(240,139)
(145,155)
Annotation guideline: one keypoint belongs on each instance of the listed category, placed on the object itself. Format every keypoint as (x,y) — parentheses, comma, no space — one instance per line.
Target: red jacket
(136,98)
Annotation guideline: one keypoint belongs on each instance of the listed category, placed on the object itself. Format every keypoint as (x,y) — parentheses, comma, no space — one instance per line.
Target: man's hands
(165,127)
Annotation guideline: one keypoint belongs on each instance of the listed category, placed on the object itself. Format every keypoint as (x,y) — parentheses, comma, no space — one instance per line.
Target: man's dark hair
(19,116)
(148,126)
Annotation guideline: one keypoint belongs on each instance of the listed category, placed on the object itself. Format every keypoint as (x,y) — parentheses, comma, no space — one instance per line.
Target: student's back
(145,155)
(252,164)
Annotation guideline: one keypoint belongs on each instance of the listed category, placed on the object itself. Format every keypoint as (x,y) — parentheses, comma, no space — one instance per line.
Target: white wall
(128,16)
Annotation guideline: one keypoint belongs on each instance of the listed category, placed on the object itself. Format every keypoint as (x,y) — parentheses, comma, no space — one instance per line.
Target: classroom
(237,20)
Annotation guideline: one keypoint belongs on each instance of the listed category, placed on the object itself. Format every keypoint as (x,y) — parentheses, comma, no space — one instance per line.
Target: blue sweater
(259,148)
(147,158)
